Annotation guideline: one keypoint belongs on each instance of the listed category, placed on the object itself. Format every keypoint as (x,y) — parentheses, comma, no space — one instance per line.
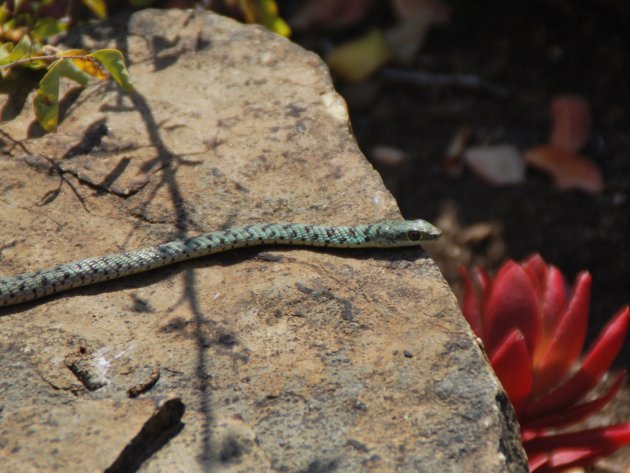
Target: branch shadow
(165,162)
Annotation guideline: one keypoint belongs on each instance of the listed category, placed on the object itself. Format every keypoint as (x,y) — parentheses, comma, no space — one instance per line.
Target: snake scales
(29,286)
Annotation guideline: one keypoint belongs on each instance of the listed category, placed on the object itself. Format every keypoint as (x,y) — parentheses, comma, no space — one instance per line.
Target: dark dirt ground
(536,50)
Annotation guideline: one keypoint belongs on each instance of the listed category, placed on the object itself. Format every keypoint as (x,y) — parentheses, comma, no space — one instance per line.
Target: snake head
(409,232)
(422,230)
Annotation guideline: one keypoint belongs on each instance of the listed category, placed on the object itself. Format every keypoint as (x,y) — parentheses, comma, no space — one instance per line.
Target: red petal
(484,280)
(560,462)
(537,268)
(602,438)
(596,363)
(554,300)
(568,338)
(512,365)
(471,305)
(551,290)
(512,304)
(576,413)
(537,462)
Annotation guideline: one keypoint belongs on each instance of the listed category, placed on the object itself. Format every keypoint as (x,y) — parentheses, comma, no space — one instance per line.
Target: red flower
(533,333)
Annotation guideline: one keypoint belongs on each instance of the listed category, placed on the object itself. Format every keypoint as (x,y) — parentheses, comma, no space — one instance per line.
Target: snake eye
(414,235)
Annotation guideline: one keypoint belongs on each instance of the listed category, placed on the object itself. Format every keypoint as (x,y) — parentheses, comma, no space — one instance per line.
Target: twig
(53,57)
(53,194)
(143,387)
(443,80)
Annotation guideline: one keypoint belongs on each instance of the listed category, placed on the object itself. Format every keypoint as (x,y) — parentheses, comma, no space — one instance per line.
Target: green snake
(29,286)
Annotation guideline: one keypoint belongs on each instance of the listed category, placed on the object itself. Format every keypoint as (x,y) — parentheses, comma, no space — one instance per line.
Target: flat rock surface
(274,359)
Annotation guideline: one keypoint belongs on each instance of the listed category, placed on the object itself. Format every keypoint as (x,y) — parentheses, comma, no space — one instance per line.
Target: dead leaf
(388,155)
(479,232)
(433,11)
(406,39)
(358,59)
(417,17)
(499,164)
(571,122)
(569,170)
(330,13)
(453,161)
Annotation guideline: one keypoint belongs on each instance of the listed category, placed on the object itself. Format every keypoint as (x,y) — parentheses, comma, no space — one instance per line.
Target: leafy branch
(77,65)
(48,58)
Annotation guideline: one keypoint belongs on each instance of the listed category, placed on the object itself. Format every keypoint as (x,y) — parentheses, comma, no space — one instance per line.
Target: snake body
(29,286)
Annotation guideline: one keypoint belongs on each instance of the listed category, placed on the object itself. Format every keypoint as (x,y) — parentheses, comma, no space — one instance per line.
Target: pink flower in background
(533,331)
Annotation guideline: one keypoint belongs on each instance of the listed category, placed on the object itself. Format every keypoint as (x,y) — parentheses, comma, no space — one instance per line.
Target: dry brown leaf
(417,17)
(388,155)
(453,160)
(499,164)
(406,39)
(433,11)
(330,13)
(571,122)
(478,232)
(569,170)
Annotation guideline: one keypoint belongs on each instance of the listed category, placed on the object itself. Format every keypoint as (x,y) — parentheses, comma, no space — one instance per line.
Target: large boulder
(274,359)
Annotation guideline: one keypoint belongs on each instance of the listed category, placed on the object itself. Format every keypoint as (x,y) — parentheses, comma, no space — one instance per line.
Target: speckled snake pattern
(29,286)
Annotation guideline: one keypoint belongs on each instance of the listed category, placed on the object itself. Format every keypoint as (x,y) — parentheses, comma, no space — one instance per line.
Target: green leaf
(46,101)
(18,5)
(141,3)
(5,13)
(22,49)
(265,12)
(47,27)
(278,26)
(86,63)
(269,18)
(98,7)
(114,62)
(69,69)
(5,50)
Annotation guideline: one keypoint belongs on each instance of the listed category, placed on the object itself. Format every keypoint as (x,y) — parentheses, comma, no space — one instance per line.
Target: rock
(283,359)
